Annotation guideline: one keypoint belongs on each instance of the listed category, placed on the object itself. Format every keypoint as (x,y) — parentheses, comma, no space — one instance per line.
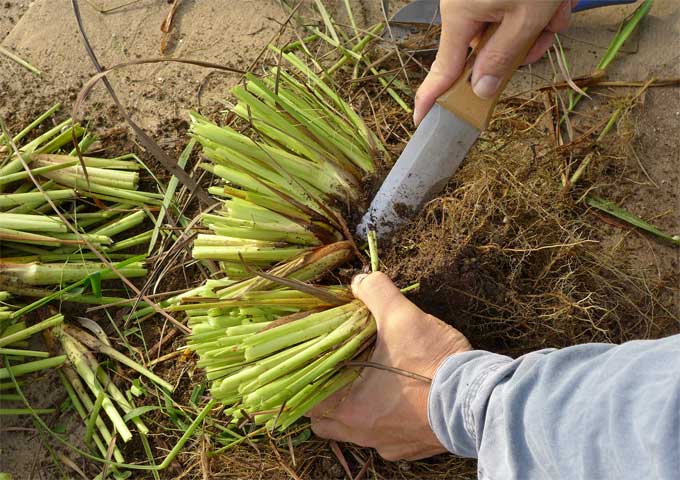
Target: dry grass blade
(315,291)
(166,26)
(19,60)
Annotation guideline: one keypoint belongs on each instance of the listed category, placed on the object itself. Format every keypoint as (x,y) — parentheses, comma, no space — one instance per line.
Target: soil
(469,276)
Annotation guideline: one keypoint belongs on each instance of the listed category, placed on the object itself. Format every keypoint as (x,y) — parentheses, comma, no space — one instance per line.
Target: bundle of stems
(290,176)
(98,197)
(305,267)
(18,360)
(108,412)
(274,371)
(274,346)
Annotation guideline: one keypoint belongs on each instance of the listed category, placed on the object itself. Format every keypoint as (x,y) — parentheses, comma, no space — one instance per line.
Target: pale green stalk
(31,126)
(19,175)
(9,235)
(328,363)
(78,360)
(20,61)
(230,384)
(24,353)
(168,199)
(27,411)
(94,343)
(49,135)
(30,367)
(99,164)
(122,224)
(11,200)
(332,315)
(307,398)
(249,254)
(32,330)
(336,337)
(139,239)
(82,403)
(39,223)
(48,274)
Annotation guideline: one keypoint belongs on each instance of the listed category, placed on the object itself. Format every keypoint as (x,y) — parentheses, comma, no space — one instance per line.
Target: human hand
(383,409)
(462,20)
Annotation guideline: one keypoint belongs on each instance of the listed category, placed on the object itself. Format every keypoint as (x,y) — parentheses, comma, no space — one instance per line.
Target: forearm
(590,411)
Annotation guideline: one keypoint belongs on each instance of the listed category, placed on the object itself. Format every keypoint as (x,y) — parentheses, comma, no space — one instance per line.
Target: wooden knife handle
(462,101)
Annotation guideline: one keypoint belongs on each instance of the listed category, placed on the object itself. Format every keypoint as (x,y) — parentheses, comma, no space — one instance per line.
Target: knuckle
(375,282)
(389,454)
(320,428)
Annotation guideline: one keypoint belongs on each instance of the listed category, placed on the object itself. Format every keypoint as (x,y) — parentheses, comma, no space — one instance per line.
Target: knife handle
(589,4)
(461,100)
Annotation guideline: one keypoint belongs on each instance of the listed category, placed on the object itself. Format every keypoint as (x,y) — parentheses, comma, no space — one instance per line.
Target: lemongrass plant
(91,389)
(275,371)
(289,179)
(273,346)
(39,245)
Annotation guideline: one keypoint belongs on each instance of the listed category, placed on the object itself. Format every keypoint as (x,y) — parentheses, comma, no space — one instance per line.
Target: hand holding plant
(384,409)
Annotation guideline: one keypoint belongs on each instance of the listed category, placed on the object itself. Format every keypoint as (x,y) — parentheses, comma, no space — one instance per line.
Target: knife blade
(441,141)
(436,149)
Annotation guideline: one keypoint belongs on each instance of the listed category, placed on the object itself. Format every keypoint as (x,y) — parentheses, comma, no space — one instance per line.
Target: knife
(440,143)
(426,12)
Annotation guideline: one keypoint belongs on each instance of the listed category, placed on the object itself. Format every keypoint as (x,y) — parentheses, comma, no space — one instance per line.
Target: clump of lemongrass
(92,389)
(305,267)
(280,370)
(39,246)
(289,178)
(274,347)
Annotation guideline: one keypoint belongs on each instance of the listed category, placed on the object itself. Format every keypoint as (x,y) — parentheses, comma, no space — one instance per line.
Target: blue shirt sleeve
(591,411)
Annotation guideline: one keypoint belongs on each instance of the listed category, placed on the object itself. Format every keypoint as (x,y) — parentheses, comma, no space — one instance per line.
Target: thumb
(504,51)
(382,297)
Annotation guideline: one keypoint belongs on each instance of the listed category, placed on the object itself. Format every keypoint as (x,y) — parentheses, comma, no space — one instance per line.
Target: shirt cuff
(453,398)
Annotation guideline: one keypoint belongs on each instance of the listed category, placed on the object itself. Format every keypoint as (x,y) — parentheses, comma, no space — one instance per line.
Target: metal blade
(427,163)
(419,11)
(412,17)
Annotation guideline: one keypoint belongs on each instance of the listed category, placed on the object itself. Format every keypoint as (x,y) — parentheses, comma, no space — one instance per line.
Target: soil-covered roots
(515,263)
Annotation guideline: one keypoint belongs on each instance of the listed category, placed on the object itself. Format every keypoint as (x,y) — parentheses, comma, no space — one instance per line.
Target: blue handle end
(589,4)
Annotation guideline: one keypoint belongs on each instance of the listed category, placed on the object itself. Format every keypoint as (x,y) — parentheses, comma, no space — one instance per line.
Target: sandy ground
(234,32)
(226,32)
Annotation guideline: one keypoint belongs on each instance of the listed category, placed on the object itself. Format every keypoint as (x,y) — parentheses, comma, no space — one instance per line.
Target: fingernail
(486,86)
(415,115)
(356,281)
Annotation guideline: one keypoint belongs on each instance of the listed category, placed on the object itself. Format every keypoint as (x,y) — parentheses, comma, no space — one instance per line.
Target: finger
(457,32)
(543,43)
(409,452)
(334,430)
(382,297)
(497,58)
(327,407)
(561,19)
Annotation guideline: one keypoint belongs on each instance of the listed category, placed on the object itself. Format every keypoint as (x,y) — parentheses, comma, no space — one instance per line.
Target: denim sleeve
(592,411)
